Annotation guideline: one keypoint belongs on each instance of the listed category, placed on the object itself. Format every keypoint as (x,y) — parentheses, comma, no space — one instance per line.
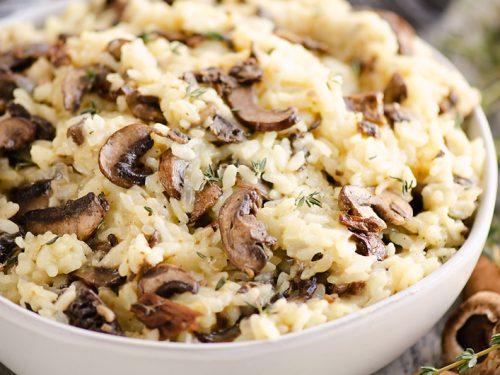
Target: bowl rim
(477,236)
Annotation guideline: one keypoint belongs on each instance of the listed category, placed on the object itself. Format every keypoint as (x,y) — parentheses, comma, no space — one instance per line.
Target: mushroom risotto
(213,171)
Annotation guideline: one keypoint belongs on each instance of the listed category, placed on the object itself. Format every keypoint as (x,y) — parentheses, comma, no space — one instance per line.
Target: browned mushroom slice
(391,207)
(44,129)
(96,277)
(369,244)
(486,276)
(75,84)
(396,90)
(471,326)
(204,200)
(355,202)
(81,217)
(88,311)
(394,113)
(32,197)
(75,132)
(119,156)
(246,72)
(405,33)
(243,236)
(305,41)
(354,289)
(224,335)
(8,83)
(369,104)
(7,247)
(22,57)
(58,54)
(369,129)
(16,133)
(177,136)
(144,107)
(226,131)
(167,280)
(114,47)
(209,76)
(448,103)
(169,317)
(193,40)
(171,172)
(242,100)
(370,224)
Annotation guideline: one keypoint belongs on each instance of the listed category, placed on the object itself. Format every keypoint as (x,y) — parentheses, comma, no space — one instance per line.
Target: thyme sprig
(313,199)
(465,361)
(406,185)
(195,92)
(211,175)
(259,167)
(92,110)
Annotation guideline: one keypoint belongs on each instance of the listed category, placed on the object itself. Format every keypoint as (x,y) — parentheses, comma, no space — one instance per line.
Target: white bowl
(357,344)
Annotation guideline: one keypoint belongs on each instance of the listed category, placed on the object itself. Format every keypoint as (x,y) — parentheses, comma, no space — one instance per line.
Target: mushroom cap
(75,84)
(118,157)
(167,280)
(32,197)
(16,133)
(171,173)
(224,335)
(370,244)
(391,207)
(96,277)
(471,326)
(81,216)
(242,100)
(243,236)
(144,107)
(486,276)
(396,90)
(204,200)
(370,104)
(226,131)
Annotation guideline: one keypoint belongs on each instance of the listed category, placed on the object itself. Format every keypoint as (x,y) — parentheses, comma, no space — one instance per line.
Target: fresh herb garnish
(465,361)
(90,74)
(407,185)
(211,175)
(310,200)
(372,157)
(174,47)
(220,283)
(195,92)
(146,37)
(53,240)
(214,35)
(92,110)
(149,209)
(201,255)
(259,167)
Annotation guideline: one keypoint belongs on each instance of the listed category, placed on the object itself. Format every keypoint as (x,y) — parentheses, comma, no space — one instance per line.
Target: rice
(314,269)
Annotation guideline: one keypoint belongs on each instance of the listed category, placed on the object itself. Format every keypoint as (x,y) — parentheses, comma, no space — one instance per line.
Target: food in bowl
(213,172)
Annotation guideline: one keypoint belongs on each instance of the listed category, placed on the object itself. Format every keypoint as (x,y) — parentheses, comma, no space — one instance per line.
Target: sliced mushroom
(369,244)
(44,129)
(88,311)
(204,200)
(31,197)
(355,202)
(369,129)
(96,277)
(354,289)
(486,276)
(396,90)
(169,317)
(243,236)
(22,57)
(144,107)
(369,104)
(75,84)
(246,72)
(75,132)
(224,335)
(81,217)
(305,41)
(391,207)
(171,172)
(114,47)
(16,133)
(58,54)
(193,40)
(8,83)
(242,100)
(471,326)
(167,280)
(448,103)
(226,131)
(301,289)
(7,247)
(394,113)
(119,156)
(405,33)
(177,136)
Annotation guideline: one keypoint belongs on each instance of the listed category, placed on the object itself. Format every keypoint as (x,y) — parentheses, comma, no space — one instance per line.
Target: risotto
(214,171)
